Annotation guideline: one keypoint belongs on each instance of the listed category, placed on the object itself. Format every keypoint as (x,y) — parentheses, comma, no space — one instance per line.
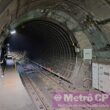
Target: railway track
(34,93)
(43,71)
(44,75)
(65,85)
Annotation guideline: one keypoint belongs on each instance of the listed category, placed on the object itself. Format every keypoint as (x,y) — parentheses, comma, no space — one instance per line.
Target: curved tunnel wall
(75,16)
(48,44)
(58,34)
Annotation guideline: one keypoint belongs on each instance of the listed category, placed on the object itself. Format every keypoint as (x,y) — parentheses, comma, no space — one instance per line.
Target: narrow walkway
(13,95)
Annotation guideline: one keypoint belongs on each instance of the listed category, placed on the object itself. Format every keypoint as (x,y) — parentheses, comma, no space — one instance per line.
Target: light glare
(13,32)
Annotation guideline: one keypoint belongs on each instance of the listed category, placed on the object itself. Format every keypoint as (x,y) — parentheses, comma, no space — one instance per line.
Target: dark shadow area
(46,43)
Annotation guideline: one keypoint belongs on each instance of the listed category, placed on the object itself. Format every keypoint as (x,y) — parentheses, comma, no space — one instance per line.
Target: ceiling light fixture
(12,32)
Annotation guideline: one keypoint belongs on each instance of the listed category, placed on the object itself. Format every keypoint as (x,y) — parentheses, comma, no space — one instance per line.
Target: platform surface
(13,95)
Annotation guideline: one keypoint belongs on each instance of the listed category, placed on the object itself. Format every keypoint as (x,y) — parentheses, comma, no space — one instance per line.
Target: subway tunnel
(58,42)
(47,43)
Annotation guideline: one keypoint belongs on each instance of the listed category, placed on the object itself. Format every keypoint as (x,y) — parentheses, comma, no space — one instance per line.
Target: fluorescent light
(13,32)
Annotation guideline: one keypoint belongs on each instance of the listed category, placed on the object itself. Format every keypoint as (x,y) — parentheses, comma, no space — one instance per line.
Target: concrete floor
(13,95)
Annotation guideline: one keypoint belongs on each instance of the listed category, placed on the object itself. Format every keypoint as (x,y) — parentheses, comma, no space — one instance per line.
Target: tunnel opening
(46,43)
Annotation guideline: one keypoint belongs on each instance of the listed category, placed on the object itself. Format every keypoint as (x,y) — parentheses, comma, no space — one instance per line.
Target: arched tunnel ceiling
(100,9)
(77,9)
